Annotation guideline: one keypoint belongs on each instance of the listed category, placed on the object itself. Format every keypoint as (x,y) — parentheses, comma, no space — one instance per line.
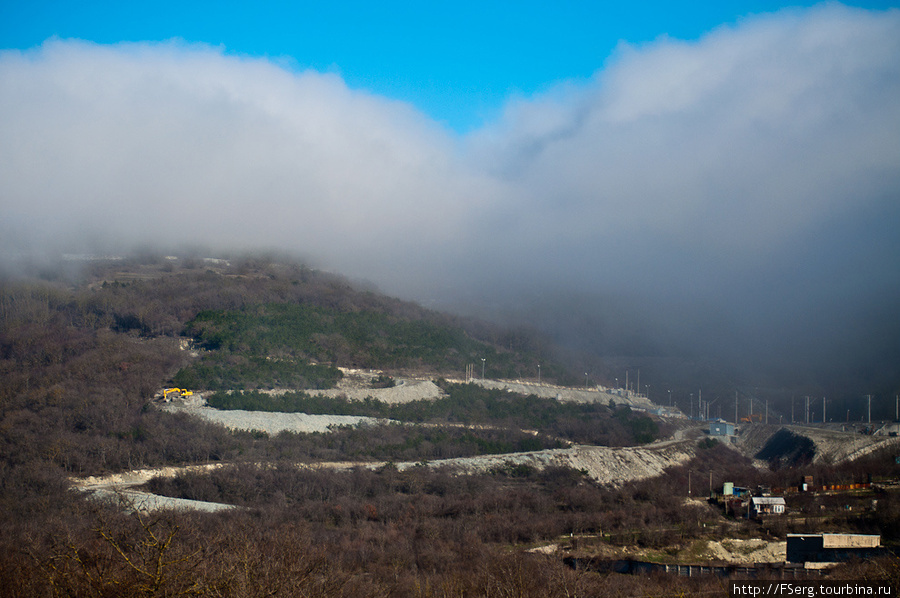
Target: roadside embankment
(606,465)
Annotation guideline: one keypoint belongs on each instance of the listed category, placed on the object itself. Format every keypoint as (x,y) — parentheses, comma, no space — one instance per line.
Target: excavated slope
(606,465)
(831,445)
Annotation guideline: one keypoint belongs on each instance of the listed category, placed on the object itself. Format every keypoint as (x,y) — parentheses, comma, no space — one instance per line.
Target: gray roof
(768,500)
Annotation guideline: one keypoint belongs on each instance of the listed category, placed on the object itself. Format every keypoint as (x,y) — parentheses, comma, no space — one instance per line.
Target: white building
(766,505)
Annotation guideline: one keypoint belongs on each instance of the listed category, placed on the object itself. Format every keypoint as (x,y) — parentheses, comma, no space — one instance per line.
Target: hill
(82,357)
(352,511)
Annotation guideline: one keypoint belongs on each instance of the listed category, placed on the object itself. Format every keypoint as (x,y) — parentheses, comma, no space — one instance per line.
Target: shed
(721,428)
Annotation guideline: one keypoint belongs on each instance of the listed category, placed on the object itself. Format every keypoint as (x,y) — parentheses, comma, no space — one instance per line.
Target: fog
(735,198)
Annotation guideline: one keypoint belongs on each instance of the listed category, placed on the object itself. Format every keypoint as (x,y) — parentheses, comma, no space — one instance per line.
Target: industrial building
(721,428)
(832,548)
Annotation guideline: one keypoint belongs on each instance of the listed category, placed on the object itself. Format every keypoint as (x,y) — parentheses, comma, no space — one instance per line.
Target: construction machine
(183,392)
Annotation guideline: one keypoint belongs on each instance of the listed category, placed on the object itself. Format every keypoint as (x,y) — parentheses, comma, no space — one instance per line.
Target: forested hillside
(82,355)
(81,358)
(296,345)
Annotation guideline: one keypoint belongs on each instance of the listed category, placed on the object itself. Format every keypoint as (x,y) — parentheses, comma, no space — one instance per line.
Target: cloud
(750,177)
(734,143)
(754,173)
(163,142)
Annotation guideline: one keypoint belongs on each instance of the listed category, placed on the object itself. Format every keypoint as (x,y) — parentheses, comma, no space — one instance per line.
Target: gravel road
(272,423)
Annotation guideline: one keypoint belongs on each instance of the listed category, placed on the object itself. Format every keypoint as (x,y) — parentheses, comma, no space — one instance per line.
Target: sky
(639,178)
(459,62)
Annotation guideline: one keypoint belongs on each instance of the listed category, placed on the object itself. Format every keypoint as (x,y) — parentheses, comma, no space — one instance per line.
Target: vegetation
(585,423)
(404,443)
(81,358)
(514,504)
(226,371)
(279,344)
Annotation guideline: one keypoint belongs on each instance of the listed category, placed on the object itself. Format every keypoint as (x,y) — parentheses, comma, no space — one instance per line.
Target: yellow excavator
(753,417)
(180,391)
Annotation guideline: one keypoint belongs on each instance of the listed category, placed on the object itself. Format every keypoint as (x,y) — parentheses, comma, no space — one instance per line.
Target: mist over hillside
(676,353)
(718,209)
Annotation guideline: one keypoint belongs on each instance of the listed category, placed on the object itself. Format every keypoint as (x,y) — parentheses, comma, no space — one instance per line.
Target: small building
(766,505)
(721,428)
(740,491)
(832,548)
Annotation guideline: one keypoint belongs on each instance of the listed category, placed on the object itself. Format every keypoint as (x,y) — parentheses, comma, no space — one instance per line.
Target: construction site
(763,443)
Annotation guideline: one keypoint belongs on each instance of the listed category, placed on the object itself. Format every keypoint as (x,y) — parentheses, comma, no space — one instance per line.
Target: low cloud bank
(738,194)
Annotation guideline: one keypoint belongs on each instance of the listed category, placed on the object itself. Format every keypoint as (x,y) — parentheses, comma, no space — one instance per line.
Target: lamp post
(539,374)
(670,398)
(482,367)
(585,380)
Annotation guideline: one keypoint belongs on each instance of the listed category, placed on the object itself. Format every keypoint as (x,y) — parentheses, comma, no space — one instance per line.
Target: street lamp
(539,374)
(585,380)
(482,367)
(670,398)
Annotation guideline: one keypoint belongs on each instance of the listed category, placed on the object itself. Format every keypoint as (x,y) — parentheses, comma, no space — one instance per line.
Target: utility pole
(807,409)
(735,407)
(483,359)
(870,408)
(767,411)
(823,411)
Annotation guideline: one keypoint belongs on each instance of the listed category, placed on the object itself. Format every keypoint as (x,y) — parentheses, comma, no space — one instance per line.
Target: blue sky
(459,62)
(720,175)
